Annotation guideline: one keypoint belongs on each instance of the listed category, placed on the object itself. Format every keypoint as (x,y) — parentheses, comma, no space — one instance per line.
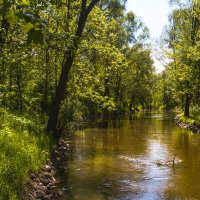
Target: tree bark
(187,106)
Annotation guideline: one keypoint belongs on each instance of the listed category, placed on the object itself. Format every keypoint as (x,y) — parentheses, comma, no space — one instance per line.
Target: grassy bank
(194,118)
(24,148)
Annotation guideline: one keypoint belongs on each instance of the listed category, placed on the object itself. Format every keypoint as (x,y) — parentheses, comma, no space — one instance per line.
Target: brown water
(130,160)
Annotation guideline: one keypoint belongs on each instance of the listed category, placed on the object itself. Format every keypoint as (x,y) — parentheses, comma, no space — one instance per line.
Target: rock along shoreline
(42,185)
(192,127)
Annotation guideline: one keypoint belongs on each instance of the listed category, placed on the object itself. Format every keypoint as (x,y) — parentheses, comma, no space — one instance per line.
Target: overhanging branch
(91,5)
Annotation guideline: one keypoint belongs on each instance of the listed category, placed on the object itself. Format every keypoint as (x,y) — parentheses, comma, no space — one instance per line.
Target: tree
(138,79)
(69,59)
(183,39)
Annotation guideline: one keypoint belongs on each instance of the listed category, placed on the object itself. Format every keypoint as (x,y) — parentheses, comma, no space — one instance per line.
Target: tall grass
(23,148)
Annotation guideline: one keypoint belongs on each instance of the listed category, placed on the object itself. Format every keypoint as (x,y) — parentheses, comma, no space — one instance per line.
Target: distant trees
(183,39)
(139,78)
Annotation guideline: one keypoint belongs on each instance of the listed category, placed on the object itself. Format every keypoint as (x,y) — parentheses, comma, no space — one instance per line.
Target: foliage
(195,114)
(183,41)
(139,77)
(35,47)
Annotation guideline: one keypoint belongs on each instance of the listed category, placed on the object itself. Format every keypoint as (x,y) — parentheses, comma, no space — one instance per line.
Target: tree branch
(91,6)
(84,2)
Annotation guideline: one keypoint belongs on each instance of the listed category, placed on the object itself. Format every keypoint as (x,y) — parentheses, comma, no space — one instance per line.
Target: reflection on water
(130,160)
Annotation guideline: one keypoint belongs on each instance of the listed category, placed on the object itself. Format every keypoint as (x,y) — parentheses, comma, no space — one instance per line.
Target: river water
(146,158)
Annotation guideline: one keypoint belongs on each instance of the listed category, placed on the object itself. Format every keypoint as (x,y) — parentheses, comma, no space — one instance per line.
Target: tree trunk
(59,96)
(46,85)
(131,104)
(3,32)
(20,97)
(187,106)
(118,93)
(56,71)
(106,94)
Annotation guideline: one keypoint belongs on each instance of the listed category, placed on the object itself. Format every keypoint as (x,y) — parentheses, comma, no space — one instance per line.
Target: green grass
(186,120)
(23,149)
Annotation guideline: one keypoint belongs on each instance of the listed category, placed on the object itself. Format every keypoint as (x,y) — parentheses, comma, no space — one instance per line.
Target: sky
(154,13)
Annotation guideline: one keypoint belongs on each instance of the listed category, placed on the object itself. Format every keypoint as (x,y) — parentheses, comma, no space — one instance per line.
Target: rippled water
(145,158)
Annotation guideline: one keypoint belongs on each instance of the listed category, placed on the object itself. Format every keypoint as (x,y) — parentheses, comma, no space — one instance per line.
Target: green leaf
(28,27)
(24,3)
(10,16)
(35,36)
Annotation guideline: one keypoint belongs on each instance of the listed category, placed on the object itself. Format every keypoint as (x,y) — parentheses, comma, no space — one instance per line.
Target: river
(146,158)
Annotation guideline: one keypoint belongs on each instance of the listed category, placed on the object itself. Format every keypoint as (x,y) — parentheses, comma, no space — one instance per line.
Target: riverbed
(145,158)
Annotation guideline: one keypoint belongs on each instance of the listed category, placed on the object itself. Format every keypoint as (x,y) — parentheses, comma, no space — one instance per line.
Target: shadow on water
(132,159)
(106,124)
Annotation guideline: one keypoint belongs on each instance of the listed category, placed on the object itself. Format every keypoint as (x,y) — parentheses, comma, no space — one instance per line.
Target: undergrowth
(194,116)
(24,148)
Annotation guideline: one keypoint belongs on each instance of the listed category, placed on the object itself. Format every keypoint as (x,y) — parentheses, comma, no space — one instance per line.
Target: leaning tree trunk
(187,106)
(69,59)
(59,96)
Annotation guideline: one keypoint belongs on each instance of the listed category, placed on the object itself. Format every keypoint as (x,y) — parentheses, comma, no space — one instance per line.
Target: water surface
(132,159)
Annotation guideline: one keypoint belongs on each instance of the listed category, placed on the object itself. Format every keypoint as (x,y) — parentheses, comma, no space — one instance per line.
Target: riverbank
(29,165)
(189,124)
(43,184)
